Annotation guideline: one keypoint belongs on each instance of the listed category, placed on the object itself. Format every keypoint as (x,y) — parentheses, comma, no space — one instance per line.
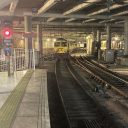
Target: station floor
(24,100)
(7,84)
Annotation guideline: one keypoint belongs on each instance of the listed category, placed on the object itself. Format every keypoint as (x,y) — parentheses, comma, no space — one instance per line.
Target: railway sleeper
(90,124)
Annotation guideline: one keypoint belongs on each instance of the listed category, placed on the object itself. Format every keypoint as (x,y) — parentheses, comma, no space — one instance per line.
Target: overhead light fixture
(86,21)
(69,20)
(116,37)
(48,39)
(76,8)
(47,5)
(13,5)
(80,6)
(51,19)
(54,40)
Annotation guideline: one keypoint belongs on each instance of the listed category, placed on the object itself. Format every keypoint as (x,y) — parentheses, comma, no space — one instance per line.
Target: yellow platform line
(8,110)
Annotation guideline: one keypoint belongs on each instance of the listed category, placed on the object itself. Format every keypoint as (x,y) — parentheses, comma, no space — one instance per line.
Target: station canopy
(73,15)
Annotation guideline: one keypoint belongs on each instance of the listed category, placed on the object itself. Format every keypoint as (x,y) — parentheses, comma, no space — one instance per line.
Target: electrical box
(109,55)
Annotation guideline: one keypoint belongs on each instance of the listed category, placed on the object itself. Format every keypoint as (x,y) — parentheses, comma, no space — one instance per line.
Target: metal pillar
(28,38)
(28,29)
(39,37)
(99,44)
(93,43)
(89,44)
(94,35)
(40,45)
(108,30)
(98,36)
(126,37)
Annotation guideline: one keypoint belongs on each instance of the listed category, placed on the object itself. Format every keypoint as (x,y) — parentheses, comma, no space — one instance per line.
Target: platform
(27,105)
(7,84)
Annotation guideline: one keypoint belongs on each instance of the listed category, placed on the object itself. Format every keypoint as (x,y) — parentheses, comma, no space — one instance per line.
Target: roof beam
(80,6)
(105,10)
(80,16)
(118,22)
(104,21)
(13,6)
(69,20)
(48,29)
(47,6)
(77,24)
(121,13)
(57,15)
(4,3)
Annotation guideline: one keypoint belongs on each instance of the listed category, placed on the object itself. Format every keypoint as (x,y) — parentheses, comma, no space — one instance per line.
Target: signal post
(8,45)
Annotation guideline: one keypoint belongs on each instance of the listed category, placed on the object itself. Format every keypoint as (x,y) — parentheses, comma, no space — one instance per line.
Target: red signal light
(7,32)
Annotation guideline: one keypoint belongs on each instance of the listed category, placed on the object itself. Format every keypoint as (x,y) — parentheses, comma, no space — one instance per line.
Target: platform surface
(7,84)
(32,111)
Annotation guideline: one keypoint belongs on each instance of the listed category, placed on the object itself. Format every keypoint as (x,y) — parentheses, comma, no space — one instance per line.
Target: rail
(79,106)
(103,77)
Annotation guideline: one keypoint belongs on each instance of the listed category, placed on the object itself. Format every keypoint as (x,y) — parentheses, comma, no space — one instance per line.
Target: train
(61,46)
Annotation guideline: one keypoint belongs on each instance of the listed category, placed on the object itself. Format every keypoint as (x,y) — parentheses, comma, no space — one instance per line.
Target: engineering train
(61,46)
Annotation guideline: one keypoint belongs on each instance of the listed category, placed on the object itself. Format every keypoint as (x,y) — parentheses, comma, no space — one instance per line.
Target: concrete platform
(7,84)
(32,111)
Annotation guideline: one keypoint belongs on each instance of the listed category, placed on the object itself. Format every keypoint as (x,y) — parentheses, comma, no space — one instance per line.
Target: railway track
(103,76)
(55,104)
(122,77)
(82,111)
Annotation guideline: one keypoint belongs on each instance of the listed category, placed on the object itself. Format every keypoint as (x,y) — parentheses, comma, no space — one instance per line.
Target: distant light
(121,43)
(54,40)
(116,38)
(48,39)
(87,37)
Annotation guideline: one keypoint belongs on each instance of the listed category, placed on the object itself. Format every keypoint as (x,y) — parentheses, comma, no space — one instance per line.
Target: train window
(56,44)
(63,44)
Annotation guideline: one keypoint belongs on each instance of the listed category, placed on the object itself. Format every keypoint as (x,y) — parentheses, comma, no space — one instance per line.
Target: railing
(20,60)
(3,63)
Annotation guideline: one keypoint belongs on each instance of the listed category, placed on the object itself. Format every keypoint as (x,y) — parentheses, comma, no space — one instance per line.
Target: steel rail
(95,75)
(68,120)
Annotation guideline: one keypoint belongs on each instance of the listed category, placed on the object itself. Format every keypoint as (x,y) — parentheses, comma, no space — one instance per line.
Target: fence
(20,60)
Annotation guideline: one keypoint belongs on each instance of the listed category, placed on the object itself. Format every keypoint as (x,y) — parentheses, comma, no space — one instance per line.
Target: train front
(61,48)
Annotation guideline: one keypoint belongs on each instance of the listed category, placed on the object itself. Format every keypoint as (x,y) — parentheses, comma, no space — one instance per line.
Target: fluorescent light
(48,39)
(69,20)
(88,20)
(80,6)
(47,5)
(51,19)
(54,40)
(13,6)
(104,10)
